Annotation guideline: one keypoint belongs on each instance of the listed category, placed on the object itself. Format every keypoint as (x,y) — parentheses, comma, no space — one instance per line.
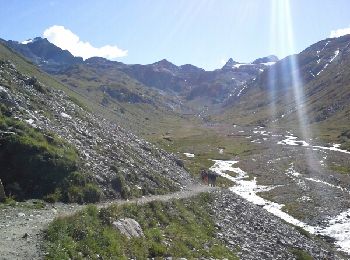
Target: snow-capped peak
(27,41)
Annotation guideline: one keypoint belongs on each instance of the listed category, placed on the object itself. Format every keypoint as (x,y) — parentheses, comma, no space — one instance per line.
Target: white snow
(336,53)
(325,66)
(27,41)
(189,155)
(248,190)
(264,133)
(65,115)
(333,148)
(327,184)
(337,227)
(270,63)
(240,91)
(292,140)
(236,66)
(257,141)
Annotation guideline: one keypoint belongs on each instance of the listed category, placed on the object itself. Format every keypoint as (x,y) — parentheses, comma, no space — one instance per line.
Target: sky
(205,33)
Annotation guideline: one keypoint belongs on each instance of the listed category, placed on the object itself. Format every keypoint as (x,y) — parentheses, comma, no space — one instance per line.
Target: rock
(21,215)
(2,192)
(128,227)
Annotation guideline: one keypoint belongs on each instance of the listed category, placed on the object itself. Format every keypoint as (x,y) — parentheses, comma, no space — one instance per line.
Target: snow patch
(248,190)
(292,140)
(27,41)
(189,155)
(337,227)
(270,63)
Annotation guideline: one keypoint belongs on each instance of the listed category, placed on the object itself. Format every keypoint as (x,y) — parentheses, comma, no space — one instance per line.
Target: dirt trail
(21,227)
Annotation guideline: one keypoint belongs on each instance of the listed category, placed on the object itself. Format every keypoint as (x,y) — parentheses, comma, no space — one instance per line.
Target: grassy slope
(177,228)
(141,118)
(135,106)
(327,95)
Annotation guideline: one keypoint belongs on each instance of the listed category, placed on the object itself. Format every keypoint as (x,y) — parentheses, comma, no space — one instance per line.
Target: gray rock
(128,227)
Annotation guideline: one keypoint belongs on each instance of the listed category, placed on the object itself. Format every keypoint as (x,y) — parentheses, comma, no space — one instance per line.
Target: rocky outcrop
(2,192)
(128,227)
(261,235)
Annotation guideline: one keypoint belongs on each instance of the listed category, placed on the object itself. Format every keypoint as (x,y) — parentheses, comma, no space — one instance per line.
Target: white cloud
(67,40)
(340,32)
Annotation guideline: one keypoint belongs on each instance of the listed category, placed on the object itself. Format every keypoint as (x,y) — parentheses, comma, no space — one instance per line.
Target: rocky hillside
(185,83)
(322,76)
(44,128)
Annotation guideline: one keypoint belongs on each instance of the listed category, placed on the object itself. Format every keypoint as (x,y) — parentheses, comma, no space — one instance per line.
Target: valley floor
(277,178)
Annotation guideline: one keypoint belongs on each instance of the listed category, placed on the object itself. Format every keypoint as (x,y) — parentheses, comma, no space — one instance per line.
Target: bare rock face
(128,227)
(2,192)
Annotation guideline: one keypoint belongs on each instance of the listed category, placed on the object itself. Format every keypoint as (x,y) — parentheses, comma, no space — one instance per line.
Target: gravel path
(21,227)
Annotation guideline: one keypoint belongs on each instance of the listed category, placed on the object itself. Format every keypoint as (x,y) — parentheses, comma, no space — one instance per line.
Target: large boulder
(128,227)
(2,192)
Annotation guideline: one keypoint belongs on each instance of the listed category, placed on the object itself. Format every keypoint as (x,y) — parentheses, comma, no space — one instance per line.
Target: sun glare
(283,42)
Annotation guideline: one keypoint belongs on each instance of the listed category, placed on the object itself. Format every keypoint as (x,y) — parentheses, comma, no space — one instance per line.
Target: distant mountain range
(187,81)
(260,92)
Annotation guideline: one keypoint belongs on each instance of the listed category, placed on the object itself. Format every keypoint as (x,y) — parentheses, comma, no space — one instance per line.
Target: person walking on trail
(204,176)
(209,177)
(212,178)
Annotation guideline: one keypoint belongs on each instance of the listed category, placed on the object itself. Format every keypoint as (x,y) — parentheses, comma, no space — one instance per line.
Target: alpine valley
(132,139)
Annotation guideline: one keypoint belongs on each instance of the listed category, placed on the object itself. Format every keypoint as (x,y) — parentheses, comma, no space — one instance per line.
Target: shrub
(34,163)
(120,186)
(92,193)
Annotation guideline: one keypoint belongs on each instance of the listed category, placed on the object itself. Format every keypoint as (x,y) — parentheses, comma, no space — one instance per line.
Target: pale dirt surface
(21,228)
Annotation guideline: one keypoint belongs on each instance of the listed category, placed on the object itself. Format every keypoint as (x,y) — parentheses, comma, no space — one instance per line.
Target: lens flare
(283,43)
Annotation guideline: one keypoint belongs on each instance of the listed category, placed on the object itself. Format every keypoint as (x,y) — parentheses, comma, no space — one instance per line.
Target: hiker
(212,178)
(204,176)
(2,192)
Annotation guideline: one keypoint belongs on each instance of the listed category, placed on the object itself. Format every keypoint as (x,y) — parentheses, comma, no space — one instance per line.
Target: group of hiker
(209,177)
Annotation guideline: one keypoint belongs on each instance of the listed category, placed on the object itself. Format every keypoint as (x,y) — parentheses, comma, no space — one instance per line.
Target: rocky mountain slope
(100,159)
(321,74)
(44,54)
(187,82)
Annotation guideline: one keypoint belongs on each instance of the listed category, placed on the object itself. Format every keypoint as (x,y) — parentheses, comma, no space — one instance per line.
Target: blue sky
(204,33)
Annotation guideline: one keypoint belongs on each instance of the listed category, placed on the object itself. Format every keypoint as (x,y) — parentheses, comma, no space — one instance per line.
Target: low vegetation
(206,145)
(179,228)
(301,254)
(37,164)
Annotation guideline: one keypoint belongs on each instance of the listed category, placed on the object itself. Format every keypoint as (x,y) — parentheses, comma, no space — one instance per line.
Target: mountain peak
(229,64)
(267,59)
(32,40)
(165,64)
